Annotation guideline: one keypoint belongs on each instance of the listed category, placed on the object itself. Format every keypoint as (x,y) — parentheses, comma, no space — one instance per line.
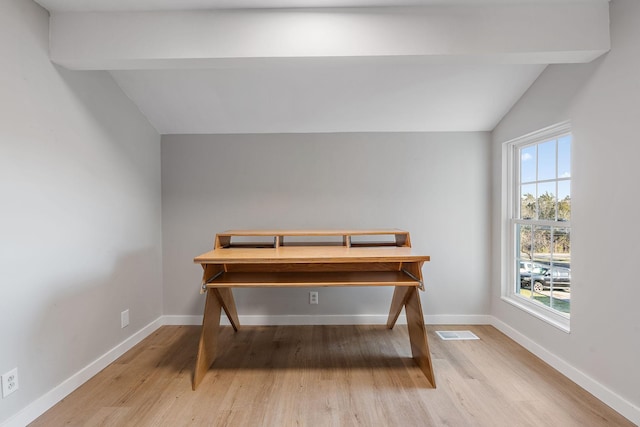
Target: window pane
(547,201)
(560,299)
(564,157)
(524,243)
(547,160)
(542,245)
(560,274)
(542,258)
(542,264)
(564,201)
(562,247)
(528,201)
(524,265)
(528,164)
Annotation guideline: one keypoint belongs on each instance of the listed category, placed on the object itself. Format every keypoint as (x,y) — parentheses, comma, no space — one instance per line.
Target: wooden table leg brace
(408,297)
(217,299)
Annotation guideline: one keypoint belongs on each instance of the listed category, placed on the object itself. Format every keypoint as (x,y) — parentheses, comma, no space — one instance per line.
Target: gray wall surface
(602,100)
(79,212)
(435,185)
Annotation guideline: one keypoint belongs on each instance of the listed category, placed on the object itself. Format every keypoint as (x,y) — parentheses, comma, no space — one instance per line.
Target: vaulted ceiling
(137,5)
(266,66)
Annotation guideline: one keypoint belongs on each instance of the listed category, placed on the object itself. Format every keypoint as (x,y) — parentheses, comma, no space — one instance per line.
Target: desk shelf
(321,279)
(278,238)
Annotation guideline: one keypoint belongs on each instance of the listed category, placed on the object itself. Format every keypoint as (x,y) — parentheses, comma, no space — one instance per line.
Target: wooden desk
(301,258)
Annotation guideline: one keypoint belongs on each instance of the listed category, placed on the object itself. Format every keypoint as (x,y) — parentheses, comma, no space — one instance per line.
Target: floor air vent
(457,335)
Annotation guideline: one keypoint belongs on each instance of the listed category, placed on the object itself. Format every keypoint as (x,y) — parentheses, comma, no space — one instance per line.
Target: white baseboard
(177,320)
(333,319)
(457,319)
(610,398)
(55,395)
(42,404)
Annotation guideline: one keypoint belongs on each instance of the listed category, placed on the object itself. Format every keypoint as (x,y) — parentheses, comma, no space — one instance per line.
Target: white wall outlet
(9,382)
(313,297)
(124,318)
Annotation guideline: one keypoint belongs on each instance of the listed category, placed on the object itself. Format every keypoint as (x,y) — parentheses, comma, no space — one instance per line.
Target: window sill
(545,314)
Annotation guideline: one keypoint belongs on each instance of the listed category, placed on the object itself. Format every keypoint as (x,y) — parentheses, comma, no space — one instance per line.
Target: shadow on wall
(126,133)
(99,94)
(80,320)
(552,101)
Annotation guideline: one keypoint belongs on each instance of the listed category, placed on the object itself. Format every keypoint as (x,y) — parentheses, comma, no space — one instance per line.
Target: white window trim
(510,163)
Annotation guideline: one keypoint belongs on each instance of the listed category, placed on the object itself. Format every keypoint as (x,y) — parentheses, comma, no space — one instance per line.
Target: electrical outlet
(9,382)
(124,318)
(313,297)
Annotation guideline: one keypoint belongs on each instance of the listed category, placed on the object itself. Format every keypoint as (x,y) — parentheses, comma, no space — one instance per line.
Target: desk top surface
(309,254)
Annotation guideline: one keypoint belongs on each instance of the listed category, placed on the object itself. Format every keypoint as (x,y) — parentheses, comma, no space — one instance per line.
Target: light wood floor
(329,376)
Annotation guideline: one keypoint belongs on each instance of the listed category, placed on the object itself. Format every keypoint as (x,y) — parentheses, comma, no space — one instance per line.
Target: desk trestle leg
(217,299)
(408,297)
(225,297)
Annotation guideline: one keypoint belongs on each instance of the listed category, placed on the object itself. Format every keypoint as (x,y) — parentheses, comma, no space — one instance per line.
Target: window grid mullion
(537,214)
(543,181)
(556,183)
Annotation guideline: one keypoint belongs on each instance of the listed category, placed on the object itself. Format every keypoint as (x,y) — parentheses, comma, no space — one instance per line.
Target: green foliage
(564,209)
(528,207)
(535,241)
(544,240)
(545,207)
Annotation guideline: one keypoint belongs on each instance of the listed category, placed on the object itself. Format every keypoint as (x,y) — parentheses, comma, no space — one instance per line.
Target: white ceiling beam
(532,33)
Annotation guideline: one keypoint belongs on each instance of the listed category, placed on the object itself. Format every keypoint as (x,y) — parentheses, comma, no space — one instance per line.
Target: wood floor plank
(329,376)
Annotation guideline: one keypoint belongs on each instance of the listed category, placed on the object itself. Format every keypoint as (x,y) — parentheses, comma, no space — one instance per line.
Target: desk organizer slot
(337,240)
(374,240)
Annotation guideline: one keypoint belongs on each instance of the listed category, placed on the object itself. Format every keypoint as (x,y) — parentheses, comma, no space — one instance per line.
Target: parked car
(526,266)
(542,276)
(530,271)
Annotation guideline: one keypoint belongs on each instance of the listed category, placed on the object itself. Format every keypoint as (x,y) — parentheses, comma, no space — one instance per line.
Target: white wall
(436,185)
(602,100)
(79,212)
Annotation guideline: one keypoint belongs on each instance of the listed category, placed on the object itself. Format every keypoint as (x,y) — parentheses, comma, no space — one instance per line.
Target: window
(539,224)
